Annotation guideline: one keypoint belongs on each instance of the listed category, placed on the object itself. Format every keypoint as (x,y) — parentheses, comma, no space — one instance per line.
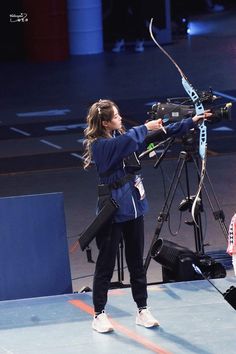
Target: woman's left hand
(207,114)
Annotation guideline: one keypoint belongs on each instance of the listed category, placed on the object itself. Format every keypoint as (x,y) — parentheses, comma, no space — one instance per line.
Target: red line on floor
(83,306)
(129,333)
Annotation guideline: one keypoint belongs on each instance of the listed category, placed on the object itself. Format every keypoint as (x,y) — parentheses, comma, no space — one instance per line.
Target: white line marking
(223,129)
(50,144)
(20,131)
(77,155)
(51,112)
(224,95)
(63,127)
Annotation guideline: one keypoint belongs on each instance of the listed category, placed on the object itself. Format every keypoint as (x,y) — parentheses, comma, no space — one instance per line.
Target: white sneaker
(145,318)
(102,324)
(119,46)
(139,48)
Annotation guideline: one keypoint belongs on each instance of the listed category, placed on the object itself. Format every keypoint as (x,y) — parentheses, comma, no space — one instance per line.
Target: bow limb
(165,52)
(202,140)
(199,110)
(192,94)
(196,199)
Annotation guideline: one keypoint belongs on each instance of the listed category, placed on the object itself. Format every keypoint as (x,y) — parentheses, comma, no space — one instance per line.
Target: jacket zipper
(135,209)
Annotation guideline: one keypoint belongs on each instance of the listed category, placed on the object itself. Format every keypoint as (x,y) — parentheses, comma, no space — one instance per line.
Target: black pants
(108,243)
(121,19)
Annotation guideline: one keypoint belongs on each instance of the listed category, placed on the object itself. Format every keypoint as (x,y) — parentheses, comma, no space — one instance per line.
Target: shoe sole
(110,329)
(156,324)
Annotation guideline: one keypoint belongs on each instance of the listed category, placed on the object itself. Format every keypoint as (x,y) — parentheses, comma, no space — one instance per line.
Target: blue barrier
(34,258)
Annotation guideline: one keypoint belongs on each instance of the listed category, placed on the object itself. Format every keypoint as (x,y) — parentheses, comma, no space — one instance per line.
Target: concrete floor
(194,318)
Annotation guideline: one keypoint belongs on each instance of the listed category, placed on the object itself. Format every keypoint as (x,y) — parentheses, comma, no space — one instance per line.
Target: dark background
(15,42)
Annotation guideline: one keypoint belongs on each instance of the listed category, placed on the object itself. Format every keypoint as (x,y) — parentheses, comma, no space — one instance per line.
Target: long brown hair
(100,111)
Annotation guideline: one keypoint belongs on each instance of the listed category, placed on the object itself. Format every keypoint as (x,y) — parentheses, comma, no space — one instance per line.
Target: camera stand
(184,158)
(120,268)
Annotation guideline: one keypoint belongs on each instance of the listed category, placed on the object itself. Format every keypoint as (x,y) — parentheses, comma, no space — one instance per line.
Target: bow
(199,111)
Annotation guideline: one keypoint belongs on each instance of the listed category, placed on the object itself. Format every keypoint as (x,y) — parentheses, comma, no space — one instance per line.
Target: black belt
(105,189)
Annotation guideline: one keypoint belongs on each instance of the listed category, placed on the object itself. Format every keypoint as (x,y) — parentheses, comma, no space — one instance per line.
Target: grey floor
(194,318)
(132,80)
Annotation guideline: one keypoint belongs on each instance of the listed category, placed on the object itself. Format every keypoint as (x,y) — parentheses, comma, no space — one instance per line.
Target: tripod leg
(197,226)
(198,234)
(122,259)
(218,214)
(120,262)
(163,216)
(118,266)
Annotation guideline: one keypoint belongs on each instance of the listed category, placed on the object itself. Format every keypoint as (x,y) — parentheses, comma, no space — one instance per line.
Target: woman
(110,147)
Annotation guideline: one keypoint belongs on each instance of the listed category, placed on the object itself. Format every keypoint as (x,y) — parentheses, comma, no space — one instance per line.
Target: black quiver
(105,214)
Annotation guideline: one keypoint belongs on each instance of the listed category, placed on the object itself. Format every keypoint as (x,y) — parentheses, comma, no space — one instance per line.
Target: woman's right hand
(155,124)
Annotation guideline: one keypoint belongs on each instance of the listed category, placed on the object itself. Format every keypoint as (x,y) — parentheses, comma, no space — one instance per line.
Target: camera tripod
(120,268)
(186,156)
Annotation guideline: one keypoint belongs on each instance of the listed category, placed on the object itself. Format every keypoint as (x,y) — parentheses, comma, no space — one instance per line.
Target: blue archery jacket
(109,154)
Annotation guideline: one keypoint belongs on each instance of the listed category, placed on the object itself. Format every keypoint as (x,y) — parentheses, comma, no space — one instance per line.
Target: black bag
(105,214)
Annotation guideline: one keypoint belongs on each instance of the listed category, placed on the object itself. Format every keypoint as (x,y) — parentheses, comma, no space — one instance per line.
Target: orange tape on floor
(129,333)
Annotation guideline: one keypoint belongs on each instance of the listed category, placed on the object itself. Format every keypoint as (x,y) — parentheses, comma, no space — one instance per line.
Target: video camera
(178,108)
